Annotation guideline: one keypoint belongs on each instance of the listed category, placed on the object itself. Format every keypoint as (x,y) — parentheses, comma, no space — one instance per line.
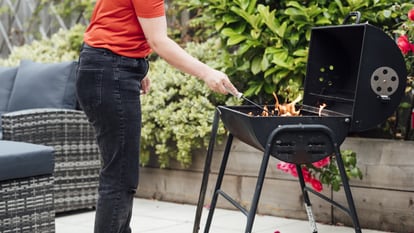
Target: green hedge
(177,113)
(267,41)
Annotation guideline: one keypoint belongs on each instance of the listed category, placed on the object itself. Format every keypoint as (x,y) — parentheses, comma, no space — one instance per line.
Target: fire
(287,109)
(266,111)
(321,107)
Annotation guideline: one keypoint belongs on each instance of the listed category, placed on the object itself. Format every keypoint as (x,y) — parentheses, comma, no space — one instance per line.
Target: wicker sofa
(26,181)
(38,105)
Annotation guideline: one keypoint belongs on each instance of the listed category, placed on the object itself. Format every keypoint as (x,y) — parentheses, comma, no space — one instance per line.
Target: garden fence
(22,21)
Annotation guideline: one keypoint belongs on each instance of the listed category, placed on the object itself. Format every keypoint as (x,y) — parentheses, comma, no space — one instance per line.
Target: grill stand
(250,214)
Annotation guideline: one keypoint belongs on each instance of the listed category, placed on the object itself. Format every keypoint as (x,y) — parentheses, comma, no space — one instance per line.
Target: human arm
(155,30)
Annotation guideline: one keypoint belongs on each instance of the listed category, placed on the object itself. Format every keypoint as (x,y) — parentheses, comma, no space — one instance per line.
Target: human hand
(145,85)
(219,82)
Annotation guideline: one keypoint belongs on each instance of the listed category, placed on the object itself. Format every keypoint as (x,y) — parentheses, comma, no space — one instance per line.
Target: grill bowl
(254,130)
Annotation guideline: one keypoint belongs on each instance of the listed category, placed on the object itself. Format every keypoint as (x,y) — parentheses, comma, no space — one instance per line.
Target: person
(111,73)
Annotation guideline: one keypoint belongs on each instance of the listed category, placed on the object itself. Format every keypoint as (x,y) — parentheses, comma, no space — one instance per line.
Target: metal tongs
(239,95)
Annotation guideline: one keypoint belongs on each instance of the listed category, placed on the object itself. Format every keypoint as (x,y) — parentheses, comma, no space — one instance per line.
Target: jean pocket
(89,87)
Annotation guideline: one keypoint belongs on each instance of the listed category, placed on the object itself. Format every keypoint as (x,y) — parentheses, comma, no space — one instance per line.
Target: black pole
(218,183)
(306,199)
(347,190)
(207,167)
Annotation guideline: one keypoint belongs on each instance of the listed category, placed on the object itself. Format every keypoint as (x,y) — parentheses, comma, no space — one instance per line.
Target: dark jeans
(108,89)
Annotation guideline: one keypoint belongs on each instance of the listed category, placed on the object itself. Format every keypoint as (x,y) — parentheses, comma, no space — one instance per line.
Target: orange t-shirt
(114,25)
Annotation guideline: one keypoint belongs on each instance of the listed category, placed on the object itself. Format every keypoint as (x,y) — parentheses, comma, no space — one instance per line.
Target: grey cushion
(7,75)
(43,85)
(21,159)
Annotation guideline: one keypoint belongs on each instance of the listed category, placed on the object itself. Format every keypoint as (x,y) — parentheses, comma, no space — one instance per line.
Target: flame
(265,111)
(321,107)
(287,109)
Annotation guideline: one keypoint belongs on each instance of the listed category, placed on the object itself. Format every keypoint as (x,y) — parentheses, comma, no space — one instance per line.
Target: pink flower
(283,166)
(316,184)
(411,14)
(293,171)
(322,163)
(404,44)
(307,175)
(288,168)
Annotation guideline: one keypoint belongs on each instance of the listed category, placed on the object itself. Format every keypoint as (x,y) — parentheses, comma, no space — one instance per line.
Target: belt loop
(82,46)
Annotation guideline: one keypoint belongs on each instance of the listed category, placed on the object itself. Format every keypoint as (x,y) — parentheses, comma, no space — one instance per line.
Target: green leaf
(243,48)
(338,4)
(229,18)
(335,186)
(270,71)
(235,39)
(253,20)
(301,53)
(269,18)
(323,21)
(405,105)
(218,25)
(256,65)
(355,172)
(386,13)
(255,34)
(254,88)
(281,30)
(265,63)
(280,59)
(293,12)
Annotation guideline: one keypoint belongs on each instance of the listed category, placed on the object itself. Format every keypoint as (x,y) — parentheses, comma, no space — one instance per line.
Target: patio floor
(151,216)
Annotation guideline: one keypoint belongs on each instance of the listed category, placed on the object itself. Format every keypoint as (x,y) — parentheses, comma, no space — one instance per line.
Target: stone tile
(150,216)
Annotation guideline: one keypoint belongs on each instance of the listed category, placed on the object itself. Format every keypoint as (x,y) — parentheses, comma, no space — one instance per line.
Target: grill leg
(207,166)
(308,205)
(258,190)
(218,183)
(347,190)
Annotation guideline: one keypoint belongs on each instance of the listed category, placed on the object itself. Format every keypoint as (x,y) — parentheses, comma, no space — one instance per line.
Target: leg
(308,204)
(207,167)
(347,190)
(108,90)
(259,185)
(218,183)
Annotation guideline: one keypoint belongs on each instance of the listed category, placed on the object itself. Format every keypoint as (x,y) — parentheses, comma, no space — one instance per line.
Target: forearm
(155,30)
(180,59)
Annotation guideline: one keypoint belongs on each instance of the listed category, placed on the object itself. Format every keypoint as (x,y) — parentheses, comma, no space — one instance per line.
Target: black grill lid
(357,70)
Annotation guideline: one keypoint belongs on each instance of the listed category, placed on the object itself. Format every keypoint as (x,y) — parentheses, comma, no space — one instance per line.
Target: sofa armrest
(77,161)
(48,125)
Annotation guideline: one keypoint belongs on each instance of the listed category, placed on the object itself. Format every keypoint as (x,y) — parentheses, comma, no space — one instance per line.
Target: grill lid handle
(356,14)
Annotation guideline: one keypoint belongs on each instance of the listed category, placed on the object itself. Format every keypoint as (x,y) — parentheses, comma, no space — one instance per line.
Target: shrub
(62,46)
(178,111)
(267,41)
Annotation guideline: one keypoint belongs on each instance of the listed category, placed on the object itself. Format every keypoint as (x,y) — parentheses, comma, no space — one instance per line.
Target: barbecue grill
(358,72)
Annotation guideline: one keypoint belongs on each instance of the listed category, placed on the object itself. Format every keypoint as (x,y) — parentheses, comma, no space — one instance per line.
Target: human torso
(114,25)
